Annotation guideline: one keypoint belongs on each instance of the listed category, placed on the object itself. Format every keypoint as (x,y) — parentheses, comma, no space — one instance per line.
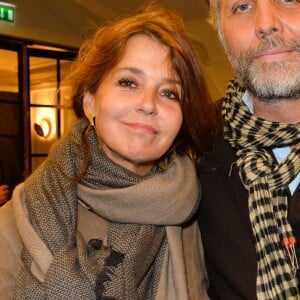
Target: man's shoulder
(220,150)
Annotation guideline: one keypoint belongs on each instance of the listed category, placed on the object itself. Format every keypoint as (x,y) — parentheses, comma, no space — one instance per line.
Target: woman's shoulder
(9,233)
(7,220)
(7,215)
(10,251)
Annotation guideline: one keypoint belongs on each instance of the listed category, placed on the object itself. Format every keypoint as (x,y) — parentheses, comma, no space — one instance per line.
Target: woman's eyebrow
(136,70)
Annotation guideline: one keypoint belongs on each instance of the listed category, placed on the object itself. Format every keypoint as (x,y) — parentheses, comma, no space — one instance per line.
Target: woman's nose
(147,103)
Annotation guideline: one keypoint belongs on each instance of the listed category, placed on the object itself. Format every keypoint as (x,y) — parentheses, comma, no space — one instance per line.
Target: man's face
(262,40)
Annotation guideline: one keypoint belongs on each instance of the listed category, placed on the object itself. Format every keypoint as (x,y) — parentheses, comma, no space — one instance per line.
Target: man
(250,212)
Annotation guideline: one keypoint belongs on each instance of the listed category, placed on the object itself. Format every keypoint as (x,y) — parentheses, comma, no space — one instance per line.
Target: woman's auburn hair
(99,54)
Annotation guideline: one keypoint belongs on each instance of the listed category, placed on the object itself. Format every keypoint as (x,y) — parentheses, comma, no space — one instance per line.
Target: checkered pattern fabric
(266,181)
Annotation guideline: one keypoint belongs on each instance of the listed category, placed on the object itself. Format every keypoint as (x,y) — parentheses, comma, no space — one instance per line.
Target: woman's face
(137,107)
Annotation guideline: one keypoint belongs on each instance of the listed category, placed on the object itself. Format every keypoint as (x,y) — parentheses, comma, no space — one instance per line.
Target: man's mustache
(271,43)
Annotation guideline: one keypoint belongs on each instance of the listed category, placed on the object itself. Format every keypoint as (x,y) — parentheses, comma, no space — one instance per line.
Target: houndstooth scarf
(266,182)
(144,213)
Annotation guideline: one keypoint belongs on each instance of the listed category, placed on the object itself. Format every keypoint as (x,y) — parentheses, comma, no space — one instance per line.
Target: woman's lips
(146,128)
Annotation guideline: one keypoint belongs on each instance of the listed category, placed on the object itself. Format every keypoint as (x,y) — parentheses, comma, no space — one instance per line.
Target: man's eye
(242,7)
(127,83)
(297,2)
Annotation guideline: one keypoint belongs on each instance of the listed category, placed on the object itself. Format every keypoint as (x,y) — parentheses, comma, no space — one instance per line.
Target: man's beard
(269,81)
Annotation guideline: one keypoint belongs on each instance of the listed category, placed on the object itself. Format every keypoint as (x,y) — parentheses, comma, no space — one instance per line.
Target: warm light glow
(46,126)
(40,116)
(43,128)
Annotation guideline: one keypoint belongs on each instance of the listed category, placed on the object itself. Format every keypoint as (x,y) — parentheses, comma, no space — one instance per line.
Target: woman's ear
(89,107)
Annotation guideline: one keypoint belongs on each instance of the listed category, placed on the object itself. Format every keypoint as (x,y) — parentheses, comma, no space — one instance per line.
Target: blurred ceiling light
(43,129)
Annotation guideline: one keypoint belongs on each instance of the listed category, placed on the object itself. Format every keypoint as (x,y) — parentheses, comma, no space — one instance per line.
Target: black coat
(225,226)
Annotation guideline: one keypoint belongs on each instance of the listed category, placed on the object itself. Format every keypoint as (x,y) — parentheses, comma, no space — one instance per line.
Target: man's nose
(267,18)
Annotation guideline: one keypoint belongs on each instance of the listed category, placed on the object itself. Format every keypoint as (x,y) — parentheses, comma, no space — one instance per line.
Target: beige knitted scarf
(145,232)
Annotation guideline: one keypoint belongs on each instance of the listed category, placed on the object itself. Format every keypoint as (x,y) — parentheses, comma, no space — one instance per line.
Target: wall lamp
(43,128)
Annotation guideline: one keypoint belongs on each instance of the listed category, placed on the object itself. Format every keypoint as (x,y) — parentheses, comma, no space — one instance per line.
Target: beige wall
(216,66)
(36,20)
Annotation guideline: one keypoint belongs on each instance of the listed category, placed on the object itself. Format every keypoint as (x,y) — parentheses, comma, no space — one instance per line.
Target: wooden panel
(8,96)
(9,119)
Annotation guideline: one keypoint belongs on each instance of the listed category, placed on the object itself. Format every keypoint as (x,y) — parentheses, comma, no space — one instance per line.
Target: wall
(69,22)
(54,24)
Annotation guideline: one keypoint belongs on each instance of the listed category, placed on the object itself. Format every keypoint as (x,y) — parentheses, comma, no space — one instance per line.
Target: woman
(109,214)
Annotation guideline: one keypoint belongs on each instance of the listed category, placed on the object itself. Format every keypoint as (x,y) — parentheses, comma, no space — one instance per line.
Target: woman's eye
(127,83)
(170,94)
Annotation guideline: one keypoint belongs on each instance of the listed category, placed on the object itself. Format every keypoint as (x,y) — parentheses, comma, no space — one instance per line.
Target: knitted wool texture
(138,207)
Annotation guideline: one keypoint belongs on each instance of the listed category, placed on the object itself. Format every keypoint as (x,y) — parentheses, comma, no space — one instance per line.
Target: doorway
(35,108)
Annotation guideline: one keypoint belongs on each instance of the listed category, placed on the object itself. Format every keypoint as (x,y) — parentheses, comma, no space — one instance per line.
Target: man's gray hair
(215,20)
(214,13)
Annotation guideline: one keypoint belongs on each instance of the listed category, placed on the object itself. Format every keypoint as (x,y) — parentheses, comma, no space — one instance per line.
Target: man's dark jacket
(225,226)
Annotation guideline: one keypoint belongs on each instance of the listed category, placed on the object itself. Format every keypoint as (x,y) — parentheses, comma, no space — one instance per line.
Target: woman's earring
(168,161)
(91,119)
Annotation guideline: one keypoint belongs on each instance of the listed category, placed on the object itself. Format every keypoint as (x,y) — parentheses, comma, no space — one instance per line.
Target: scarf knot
(252,166)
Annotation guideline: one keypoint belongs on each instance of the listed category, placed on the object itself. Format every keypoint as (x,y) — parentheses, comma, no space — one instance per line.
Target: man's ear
(89,106)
